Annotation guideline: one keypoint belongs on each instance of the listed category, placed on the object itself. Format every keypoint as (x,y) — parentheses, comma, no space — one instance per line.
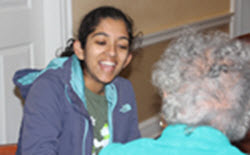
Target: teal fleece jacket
(177,140)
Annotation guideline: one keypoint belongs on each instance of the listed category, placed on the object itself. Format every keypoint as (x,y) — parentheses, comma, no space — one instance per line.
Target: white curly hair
(206,77)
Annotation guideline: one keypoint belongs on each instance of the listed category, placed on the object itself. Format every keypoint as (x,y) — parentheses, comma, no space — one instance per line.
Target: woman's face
(106,52)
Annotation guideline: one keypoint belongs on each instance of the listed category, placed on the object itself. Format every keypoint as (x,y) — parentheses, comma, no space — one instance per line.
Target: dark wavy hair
(91,21)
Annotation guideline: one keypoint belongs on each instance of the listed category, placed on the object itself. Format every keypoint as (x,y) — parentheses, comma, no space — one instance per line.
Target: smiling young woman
(79,104)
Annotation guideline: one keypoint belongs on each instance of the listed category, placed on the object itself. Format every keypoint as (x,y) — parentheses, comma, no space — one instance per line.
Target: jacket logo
(125,108)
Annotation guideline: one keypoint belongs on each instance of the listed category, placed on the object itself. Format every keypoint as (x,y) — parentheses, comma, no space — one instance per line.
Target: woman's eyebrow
(106,35)
(100,33)
(123,37)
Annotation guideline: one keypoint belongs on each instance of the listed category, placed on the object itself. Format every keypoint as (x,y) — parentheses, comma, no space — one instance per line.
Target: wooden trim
(150,127)
(173,32)
(245,37)
(8,149)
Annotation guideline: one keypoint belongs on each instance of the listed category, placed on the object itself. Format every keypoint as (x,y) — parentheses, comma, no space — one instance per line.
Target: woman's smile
(107,66)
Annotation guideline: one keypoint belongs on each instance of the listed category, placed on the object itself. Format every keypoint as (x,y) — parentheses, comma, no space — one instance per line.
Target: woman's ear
(164,94)
(128,60)
(79,52)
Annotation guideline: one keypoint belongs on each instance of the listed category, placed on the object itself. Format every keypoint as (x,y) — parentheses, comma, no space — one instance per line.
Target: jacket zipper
(110,122)
(85,136)
(111,106)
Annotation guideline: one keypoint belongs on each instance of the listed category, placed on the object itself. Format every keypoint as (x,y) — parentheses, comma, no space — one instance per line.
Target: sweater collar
(201,134)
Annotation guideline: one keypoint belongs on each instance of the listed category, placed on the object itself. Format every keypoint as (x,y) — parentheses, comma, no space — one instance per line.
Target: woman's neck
(93,86)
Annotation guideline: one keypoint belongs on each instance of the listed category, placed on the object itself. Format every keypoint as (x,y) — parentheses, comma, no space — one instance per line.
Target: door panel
(11,60)
(15,53)
(30,31)
(14,26)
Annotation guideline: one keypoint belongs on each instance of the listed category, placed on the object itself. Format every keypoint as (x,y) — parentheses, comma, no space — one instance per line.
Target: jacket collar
(25,78)
(201,135)
(77,83)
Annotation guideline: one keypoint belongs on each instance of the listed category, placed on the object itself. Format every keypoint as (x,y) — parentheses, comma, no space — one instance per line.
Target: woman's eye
(101,42)
(124,47)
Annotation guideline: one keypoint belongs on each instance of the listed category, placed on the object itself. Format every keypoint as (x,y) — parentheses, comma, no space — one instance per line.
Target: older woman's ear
(164,94)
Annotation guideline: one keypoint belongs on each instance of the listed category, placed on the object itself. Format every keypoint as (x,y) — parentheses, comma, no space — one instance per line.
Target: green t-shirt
(98,110)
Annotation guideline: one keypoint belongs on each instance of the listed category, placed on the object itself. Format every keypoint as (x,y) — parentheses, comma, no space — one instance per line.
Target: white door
(30,33)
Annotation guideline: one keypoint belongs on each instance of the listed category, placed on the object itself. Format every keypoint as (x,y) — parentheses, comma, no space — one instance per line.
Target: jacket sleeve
(127,95)
(134,128)
(42,119)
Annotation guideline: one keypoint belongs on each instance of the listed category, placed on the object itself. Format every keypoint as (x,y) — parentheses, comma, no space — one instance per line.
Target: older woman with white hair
(204,81)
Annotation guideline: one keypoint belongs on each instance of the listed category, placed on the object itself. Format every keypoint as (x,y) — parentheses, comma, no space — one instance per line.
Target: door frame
(58,26)
(236,29)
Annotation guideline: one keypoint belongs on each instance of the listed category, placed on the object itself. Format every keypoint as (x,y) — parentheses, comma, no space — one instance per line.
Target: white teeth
(108,63)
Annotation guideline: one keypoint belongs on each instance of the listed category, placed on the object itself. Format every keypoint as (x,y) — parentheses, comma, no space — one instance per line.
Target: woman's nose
(112,50)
